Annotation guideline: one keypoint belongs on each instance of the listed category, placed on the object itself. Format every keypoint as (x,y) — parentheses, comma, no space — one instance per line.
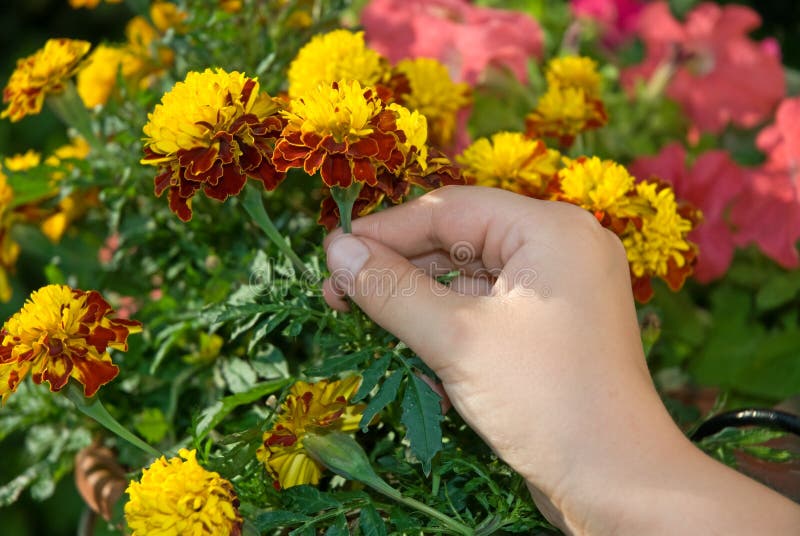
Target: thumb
(397,295)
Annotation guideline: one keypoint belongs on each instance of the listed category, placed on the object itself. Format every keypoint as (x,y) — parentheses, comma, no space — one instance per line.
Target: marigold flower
(178,496)
(308,406)
(575,71)
(230,6)
(331,57)
(166,16)
(563,113)
(9,249)
(510,161)
(656,242)
(23,161)
(60,333)
(433,93)
(45,72)
(344,131)
(212,131)
(97,79)
(91,4)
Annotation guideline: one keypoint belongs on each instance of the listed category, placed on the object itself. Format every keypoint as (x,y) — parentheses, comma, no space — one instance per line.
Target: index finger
(469,222)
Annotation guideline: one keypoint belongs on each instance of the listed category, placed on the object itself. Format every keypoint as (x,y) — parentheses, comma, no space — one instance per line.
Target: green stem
(446,520)
(345,199)
(255,208)
(94,408)
(70,109)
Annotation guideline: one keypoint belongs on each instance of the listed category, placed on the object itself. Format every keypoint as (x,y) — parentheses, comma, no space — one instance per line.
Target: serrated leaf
(422,416)
(213,415)
(278,519)
(238,374)
(308,499)
(336,364)
(370,522)
(339,527)
(371,376)
(265,327)
(386,395)
(270,363)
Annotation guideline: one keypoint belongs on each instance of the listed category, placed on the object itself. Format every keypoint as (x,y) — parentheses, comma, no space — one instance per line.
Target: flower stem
(94,408)
(69,107)
(345,199)
(255,208)
(344,456)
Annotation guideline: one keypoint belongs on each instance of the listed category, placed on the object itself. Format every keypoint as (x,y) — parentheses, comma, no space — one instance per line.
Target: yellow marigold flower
(575,72)
(78,149)
(60,333)
(180,497)
(656,242)
(331,57)
(97,79)
(433,93)
(510,161)
(600,186)
(91,4)
(147,58)
(345,131)
(23,161)
(9,249)
(415,127)
(230,6)
(308,406)
(212,131)
(45,72)
(563,113)
(166,15)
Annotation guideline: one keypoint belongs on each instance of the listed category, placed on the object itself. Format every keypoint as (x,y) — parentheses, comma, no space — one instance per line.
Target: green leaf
(151,424)
(276,519)
(336,364)
(308,499)
(422,415)
(370,522)
(386,395)
(213,415)
(371,376)
(339,527)
(31,185)
(265,327)
(238,374)
(778,290)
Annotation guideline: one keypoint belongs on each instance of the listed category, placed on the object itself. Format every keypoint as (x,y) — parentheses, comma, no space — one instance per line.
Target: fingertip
(331,237)
(334,297)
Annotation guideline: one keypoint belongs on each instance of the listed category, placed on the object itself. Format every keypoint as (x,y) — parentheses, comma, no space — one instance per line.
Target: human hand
(536,344)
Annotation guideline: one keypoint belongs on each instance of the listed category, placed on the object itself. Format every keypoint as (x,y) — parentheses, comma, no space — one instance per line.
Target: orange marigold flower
(308,406)
(212,131)
(91,4)
(9,249)
(344,131)
(60,333)
(45,72)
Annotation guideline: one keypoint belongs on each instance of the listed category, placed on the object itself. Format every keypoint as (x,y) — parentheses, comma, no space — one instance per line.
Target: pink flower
(617,19)
(721,74)
(710,184)
(464,37)
(768,213)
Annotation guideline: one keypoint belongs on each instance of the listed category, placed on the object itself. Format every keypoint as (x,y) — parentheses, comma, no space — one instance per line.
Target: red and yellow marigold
(62,333)
(343,131)
(45,72)
(178,496)
(308,406)
(211,132)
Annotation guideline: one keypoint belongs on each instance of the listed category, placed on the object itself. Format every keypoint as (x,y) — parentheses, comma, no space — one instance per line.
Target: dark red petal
(232,182)
(364,171)
(179,205)
(336,171)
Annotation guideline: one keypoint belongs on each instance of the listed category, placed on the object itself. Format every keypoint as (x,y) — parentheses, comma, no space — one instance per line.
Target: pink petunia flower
(721,75)
(768,214)
(711,184)
(617,19)
(466,38)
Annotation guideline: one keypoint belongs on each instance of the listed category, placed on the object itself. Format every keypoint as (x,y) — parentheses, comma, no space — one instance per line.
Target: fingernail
(346,257)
